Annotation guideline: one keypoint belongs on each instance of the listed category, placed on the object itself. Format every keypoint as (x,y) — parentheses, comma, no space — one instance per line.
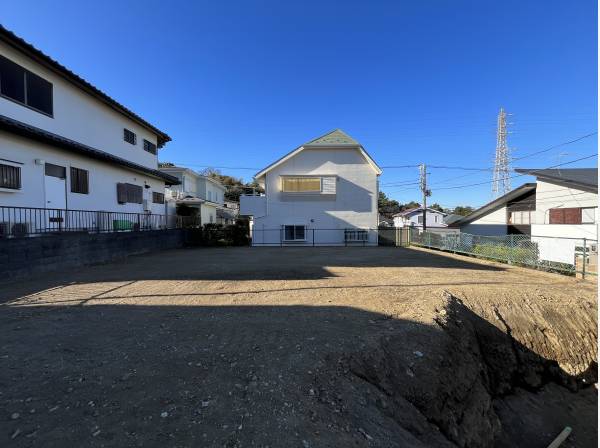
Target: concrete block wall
(21,257)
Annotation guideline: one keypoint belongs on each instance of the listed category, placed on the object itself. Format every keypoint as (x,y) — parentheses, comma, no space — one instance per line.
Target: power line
(554,147)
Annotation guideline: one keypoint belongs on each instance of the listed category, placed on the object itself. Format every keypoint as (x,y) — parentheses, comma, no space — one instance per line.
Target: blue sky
(238,84)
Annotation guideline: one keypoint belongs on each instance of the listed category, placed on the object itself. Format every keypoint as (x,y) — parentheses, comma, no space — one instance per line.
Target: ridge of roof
(331,139)
(498,202)
(586,178)
(28,49)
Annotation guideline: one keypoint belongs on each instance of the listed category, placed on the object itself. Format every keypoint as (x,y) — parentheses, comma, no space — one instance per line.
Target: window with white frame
(356,235)
(420,219)
(520,217)
(294,233)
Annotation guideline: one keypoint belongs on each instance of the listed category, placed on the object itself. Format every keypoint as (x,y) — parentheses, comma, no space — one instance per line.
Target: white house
(197,191)
(558,212)
(566,212)
(414,218)
(64,144)
(322,193)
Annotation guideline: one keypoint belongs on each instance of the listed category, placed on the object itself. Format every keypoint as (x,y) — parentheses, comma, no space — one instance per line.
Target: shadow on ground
(123,375)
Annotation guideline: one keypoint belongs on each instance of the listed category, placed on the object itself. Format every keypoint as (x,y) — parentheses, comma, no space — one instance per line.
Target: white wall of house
(103,179)
(413,219)
(353,203)
(492,224)
(557,242)
(79,116)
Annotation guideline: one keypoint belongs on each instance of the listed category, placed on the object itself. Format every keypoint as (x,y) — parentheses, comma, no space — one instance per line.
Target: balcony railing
(26,221)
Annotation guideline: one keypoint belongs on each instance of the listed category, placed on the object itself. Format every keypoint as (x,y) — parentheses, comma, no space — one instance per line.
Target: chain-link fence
(573,256)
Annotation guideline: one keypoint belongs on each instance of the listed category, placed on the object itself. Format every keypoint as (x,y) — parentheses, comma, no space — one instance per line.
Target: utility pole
(501,177)
(425,191)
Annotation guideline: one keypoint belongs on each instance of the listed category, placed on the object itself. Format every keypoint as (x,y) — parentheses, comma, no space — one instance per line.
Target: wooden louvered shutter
(557,216)
(572,216)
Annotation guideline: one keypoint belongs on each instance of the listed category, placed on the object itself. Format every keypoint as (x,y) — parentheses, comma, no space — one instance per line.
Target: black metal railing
(306,236)
(26,221)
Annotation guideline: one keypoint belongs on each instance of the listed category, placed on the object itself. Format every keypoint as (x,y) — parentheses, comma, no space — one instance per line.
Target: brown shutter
(121,193)
(572,216)
(557,216)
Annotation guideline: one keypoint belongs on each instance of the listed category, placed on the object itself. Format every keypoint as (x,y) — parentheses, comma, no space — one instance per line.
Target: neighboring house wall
(102,179)
(348,200)
(434,219)
(492,224)
(79,116)
(559,248)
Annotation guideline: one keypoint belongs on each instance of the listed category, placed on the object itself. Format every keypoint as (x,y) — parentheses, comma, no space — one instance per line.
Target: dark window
(129,193)
(565,216)
(150,147)
(12,80)
(10,177)
(55,171)
(79,181)
(129,136)
(158,198)
(25,87)
(39,93)
(294,233)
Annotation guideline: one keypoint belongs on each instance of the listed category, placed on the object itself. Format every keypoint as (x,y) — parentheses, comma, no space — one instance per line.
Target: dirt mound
(471,365)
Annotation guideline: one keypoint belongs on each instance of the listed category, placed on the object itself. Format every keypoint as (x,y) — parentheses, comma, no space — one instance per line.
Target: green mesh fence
(564,255)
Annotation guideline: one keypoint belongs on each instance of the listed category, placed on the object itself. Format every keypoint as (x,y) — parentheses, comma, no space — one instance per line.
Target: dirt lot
(306,347)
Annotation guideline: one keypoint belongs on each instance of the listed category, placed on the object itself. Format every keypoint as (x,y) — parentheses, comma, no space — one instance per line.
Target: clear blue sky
(238,84)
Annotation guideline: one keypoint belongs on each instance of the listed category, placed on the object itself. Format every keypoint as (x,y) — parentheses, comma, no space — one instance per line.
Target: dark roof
(452,218)
(26,48)
(494,205)
(37,134)
(580,178)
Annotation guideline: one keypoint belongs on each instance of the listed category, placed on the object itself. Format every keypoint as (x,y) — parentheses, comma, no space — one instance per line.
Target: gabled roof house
(324,192)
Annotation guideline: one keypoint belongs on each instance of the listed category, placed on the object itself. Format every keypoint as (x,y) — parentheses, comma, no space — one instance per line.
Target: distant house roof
(29,50)
(336,139)
(452,218)
(410,211)
(495,204)
(580,178)
(25,130)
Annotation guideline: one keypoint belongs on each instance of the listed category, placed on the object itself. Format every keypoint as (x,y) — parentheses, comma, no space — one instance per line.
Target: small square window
(158,198)
(10,177)
(294,233)
(129,136)
(149,147)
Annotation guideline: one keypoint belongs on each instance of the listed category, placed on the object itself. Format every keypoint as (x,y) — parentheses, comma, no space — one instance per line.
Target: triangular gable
(335,138)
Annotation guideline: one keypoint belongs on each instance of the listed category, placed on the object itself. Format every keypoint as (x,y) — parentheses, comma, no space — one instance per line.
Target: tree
(409,205)
(463,210)
(387,207)
(437,207)
(165,164)
(235,185)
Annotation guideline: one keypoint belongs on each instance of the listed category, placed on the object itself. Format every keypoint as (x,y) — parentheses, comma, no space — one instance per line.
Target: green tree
(235,185)
(463,210)
(437,207)
(387,207)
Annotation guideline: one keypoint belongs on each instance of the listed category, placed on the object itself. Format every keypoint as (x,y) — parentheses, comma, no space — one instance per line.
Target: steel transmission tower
(501,179)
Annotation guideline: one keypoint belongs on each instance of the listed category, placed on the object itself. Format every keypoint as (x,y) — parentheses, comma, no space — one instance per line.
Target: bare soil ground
(306,347)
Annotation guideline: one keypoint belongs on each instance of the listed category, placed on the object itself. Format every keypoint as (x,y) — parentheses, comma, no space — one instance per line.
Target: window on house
(420,219)
(520,217)
(129,136)
(435,218)
(158,198)
(79,181)
(55,171)
(25,87)
(149,147)
(294,233)
(10,177)
(129,193)
(588,215)
(301,184)
(565,215)
(210,195)
(356,235)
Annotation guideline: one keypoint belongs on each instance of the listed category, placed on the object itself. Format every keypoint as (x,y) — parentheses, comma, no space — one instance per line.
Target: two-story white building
(197,191)
(64,144)
(322,193)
